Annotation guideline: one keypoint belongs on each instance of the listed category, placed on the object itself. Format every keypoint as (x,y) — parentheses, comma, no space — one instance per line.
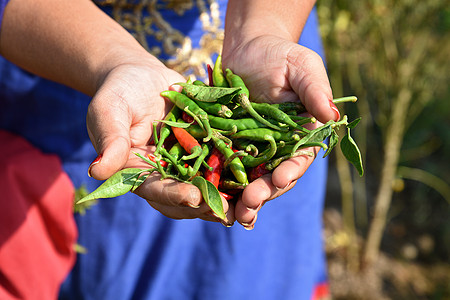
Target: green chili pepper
(260,134)
(177,151)
(290,106)
(190,107)
(239,112)
(165,131)
(228,184)
(215,108)
(199,83)
(218,77)
(205,151)
(243,98)
(250,161)
(275,113)
(236,166)
(174,161)
(228,124)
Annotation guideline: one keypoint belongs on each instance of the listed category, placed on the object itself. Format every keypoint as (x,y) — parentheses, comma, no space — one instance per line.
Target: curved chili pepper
(250,161)
(182,169)
(200,159)
(236,166)
(165,130)
(243,98)
(188,142)
(218,78)
(190,107)
(215,161)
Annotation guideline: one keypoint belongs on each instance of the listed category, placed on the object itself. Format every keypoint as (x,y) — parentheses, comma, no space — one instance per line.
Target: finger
(186,211)
(292,169)
(169,192)
(108,124)
(254,197)
(308,78)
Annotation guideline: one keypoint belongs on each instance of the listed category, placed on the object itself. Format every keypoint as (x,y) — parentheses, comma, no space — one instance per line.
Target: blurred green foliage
(384,52)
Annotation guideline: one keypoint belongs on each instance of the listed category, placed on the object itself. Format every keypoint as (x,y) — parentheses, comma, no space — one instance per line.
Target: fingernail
(250,225)
(254,208)
(191,205)
(96,161)
(336,111)
(283,187)
(226,224)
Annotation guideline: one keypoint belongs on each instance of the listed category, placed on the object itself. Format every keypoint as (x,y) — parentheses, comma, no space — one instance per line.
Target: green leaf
(175,124)
(351,152)
(209,93)
(317,135)
(210,195)
(119,184)
(353,123)
(334,139)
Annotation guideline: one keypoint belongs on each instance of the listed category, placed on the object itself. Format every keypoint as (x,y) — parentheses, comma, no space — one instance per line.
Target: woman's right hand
(119,122)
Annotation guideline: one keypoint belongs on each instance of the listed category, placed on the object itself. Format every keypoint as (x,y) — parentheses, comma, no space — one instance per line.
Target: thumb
(308,78)
(108,128)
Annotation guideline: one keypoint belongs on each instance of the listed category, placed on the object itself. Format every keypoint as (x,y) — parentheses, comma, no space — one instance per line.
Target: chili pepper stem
(233,156)
(196,151)
(343,121)
(345,99)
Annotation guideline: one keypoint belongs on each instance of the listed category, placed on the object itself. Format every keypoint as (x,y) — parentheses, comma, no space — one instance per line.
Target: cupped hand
(276,70)
(119,123)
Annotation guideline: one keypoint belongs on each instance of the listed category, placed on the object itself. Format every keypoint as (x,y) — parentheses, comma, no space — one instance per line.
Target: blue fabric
(2,10)
(136,253)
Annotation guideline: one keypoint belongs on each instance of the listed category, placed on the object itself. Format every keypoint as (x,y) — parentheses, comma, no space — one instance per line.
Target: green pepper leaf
(210,195)
(317,135)
(353,123)
(334,139)
(351,152)
(175,124)
(119,184)
(209,93)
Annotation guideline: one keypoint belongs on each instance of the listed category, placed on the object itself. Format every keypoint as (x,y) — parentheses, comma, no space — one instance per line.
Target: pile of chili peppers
(218,140)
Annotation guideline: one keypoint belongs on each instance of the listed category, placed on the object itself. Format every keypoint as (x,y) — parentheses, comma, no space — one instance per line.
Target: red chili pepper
(187,118)
(210,75)
(215,161)
(188,142)
(226,196)
(258,171)
(164,164)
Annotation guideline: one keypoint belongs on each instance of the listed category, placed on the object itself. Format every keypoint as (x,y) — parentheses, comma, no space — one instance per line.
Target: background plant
(393,55)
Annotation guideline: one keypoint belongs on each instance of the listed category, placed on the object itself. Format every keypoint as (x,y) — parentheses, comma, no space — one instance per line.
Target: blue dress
(134,252)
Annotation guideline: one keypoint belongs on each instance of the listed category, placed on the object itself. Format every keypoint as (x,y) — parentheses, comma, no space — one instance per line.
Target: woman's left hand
(277,70)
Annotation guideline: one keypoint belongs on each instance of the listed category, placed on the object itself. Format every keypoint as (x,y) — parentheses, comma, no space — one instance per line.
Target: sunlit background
(388,233)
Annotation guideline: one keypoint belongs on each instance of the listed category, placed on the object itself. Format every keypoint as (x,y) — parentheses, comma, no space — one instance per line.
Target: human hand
(119,122)
(276,70)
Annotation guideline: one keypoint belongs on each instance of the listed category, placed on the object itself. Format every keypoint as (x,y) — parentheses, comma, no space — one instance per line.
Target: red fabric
(321,292)
(37,228)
